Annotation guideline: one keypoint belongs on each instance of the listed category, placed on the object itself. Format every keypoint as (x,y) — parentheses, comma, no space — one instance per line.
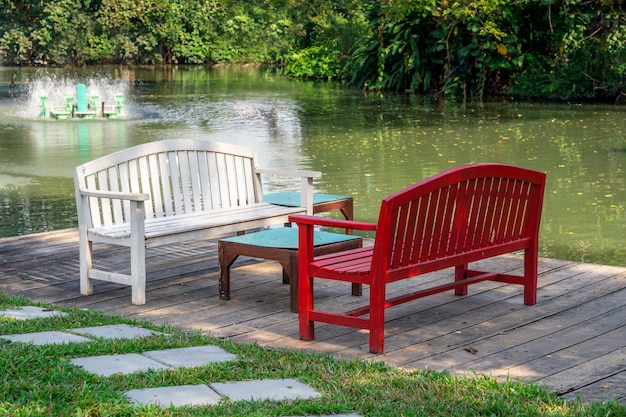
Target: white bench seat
(216,223)
(172,191)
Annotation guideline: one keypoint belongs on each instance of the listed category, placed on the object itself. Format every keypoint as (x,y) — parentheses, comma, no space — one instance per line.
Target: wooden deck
(573,340)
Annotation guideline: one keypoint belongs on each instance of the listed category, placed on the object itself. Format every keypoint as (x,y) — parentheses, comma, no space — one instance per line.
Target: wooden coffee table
(281,245)
(322,203)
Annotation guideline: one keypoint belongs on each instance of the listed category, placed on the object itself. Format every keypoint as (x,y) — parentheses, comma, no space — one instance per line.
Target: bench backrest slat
(232,192)
(154,178)
(483,215)
(213,175)
(115,186)
(205,189)
(90,182)
(242,182)
(176,199)
(181,177)
(185,182)
(444,220)
(124,176)
(144,180)
(103,179)
(166,185)
(460,211)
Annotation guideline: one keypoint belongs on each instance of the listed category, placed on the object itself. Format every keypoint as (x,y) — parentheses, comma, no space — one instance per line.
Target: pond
(367,145)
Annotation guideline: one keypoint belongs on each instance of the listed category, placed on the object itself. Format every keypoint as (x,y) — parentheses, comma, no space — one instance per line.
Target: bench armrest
(289,172)
(300,219)
(306,232)
(136,211)
(120,195)
(306,183)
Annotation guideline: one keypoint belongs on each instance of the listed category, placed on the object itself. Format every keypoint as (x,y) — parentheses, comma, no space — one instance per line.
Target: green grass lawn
(41,381)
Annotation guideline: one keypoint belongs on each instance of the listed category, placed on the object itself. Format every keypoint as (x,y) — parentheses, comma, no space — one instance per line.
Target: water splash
(56,89)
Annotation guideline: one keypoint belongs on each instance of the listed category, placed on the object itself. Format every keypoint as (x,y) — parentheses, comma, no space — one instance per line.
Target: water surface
(367,145)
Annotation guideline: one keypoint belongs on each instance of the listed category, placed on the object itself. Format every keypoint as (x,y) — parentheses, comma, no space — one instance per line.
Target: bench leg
(85,255)
(377,318)
(137,253)
(460,273)
(305,303)
(530,275)
(138,273)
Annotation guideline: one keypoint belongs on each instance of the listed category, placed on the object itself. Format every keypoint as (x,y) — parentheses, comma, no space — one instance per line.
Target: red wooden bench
(449,220)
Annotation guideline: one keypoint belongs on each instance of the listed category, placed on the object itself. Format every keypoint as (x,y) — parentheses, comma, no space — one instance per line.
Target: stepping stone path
(177,396)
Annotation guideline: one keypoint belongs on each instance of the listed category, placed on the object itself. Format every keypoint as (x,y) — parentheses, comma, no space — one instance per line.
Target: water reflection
(367,146)
(53,148)
(583,150)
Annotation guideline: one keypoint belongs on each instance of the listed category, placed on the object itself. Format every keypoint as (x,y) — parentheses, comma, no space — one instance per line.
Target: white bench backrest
(181,176)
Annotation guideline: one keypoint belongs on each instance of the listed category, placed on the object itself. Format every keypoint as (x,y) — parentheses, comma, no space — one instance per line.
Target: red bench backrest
(455,216)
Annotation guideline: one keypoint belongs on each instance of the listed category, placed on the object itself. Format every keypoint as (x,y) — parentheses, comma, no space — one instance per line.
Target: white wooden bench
(171,191)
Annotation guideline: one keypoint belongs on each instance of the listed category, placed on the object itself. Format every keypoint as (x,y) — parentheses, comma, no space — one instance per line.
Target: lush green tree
(326,33)
(145,31)
(255,31)
(581,52)
(565,49)
(193,39)
(396,51)
(461,48)
(469,49)
(43,32)
(134,31)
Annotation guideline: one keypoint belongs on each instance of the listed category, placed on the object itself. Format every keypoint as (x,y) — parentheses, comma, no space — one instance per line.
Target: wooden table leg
(225,260)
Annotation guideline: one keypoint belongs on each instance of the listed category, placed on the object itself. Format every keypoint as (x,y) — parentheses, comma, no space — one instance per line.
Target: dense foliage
(564,49)
(141,32)
(533,48)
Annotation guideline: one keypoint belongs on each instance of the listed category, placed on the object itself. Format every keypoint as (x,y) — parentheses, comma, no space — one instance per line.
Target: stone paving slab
(174,396)
(46,338)
(30,312)
(273,389)
(107,365)
(115,331)
(191,356)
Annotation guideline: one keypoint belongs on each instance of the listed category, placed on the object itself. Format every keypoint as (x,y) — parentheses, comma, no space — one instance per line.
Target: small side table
(322,203)
(280,244)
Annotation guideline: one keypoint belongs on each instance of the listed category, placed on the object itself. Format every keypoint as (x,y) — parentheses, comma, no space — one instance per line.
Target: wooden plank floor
(573,340)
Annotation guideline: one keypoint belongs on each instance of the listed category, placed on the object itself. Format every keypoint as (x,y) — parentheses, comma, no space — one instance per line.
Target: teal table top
(286,238)
(292,199)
